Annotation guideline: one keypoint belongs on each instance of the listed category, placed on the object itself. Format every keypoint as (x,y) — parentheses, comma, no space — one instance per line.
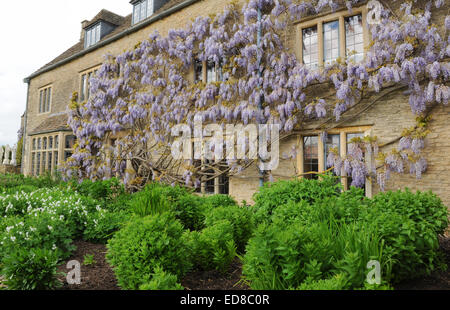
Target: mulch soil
(100,276)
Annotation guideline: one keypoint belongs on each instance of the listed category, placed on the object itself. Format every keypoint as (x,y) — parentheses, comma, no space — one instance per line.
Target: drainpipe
(25,142)
(260,107)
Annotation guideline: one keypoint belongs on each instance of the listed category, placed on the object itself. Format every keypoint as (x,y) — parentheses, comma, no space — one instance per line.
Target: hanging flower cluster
(138,96)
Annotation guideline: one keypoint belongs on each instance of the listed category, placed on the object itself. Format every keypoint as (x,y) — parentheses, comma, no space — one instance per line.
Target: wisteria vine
(139,95)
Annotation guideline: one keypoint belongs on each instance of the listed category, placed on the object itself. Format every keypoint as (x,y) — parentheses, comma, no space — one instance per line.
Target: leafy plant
(240,218)
(213,247)
(150,201)
(162,281)
(101,225)
(145,243)
(88,260)
(30,269)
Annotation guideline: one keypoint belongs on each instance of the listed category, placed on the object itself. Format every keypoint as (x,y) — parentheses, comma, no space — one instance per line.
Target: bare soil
(100,276)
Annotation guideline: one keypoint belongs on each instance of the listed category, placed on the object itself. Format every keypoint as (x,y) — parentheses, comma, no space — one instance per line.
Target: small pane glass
(310,49)
(331,42)
(311,156)
(354,38)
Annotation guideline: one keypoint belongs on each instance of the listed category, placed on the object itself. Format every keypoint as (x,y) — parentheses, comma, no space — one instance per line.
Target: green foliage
(240,218)
(162,281)
(216,201)
(326,242)
(145,243)
(213,247)
(30,269)
(338,282)
(88,260)
(190,211)
(15,180)
(101,225)
(19,152)
(104,192)
(149,201)
(278,194)
(410,224)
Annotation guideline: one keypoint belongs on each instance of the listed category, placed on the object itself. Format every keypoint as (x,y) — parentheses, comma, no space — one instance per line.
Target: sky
(32,35)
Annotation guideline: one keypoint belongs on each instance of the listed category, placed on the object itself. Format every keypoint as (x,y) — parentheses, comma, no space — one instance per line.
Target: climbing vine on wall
(139,95)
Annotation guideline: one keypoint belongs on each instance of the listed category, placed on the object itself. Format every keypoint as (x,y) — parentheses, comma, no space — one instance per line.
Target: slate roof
(52,124)
(106,16)
(123,24)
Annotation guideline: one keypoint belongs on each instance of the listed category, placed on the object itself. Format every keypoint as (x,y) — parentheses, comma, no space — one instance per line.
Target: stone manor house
(316,40)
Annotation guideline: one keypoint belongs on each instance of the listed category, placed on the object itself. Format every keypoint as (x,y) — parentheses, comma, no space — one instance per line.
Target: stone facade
(385,119)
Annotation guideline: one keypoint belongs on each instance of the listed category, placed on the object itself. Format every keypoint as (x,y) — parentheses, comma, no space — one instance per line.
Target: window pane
(56,142)
(70,141)
(310,49)
(49,98)
(98,33)
(39,144)
(44,161)
(331,42)
(49,163)
(45,144)
(33,162)
(198,71)
(211,75)
(44,100)
(55,156)
(88,38)
(88,86)
(38,163)
(354,38)
(143,9)
(83,87)
(67,155)
(150,9)
(310,156)
(41,94)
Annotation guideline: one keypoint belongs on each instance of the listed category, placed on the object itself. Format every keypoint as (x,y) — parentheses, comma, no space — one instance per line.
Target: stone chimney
(83,25)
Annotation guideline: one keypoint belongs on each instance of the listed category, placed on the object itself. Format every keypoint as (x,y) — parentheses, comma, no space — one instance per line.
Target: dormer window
(142,10)
(93,35)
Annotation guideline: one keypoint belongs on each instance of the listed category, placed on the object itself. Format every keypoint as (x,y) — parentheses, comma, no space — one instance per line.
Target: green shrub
(213,247)
(145,243)
(101,225)
(104,192)
(30,269)
(241,219)
(409,224)
(274,195)
(162,281)
(215,201)
(283,256)
(15,180)
(338,282)
(190,211)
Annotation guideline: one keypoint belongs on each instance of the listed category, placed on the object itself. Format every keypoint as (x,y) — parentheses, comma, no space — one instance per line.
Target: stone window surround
(86,73)
(366,130)
(320,20)
(40,91)
(205,66)
(59,150)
